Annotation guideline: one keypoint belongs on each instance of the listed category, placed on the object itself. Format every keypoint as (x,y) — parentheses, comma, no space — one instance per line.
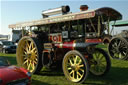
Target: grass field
(118,75)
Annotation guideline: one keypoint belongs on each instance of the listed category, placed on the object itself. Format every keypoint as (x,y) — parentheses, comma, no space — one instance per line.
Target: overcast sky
(12,11)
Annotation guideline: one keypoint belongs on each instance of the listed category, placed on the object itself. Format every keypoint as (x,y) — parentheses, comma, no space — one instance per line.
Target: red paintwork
(56,38)
(93,41)
(72,44)
(68,45)
(10,73)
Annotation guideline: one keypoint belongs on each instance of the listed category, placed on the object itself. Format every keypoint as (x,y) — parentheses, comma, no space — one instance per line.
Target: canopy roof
(109,12)
(105,12)
(121,23)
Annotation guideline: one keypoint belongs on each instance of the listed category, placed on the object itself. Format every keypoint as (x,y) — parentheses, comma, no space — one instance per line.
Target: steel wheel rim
(27,54)
(118,49)
(98,63)
(74,68)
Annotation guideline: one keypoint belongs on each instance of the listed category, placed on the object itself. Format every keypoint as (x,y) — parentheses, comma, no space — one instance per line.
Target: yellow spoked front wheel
(29,54)
(100,62)
(75,66)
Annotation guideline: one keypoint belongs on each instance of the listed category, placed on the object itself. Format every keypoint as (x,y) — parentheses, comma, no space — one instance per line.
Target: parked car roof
(7,43)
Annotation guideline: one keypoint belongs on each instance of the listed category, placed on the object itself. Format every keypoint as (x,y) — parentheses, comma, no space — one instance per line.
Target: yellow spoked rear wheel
(29,54)
(100,62)
(75,67)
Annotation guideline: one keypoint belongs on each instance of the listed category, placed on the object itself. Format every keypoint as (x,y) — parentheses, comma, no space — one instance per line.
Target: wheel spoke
(79,74)
(27,45)
(35,55)
(101,57)
(35,62)
(124,53)
(71,72)
(33,49)
(75,60)
(70,62)
(69,68)
(81,66)
(29,65)
(36,59)
(98,55)
(30,46)
(113,45)
(119,44)
(79,62)
(123,45)
(33,66)
(81,70)
(102,70)
(24,48)
(24,55)
(103,60)
(96,68)
(120,55)
(25,58)
(116,41)
(102,65)
(113,50)
(25,62)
